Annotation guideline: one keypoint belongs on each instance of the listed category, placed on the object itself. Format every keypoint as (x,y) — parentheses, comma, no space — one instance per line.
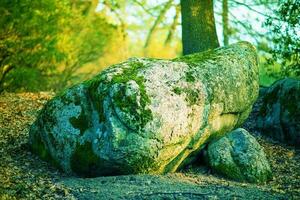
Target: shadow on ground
(160,187)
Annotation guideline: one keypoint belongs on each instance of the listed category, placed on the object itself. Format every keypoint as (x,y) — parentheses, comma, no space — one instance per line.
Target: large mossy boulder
(279,114)
(239,156)
(147,115)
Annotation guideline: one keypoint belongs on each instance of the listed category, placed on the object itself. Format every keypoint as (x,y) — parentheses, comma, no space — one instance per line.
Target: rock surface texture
(279,115)
(147,115)
(239,156)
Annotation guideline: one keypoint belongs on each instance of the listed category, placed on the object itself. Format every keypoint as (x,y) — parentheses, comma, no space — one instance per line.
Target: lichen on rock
(279,114)
(148,115)
(239,156)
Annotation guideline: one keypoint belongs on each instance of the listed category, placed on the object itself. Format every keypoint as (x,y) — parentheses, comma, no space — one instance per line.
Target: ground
(24,176)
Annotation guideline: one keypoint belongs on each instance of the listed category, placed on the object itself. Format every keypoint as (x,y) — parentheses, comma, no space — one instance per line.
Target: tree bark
(198,26)
(225,22)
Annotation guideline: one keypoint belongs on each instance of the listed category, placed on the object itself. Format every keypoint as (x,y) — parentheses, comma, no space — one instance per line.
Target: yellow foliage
(114,52)
(158,50)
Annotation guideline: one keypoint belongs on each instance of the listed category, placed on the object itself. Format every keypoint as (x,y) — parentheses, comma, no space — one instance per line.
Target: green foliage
(27,32)
(51,38)
(24,78)
(268,72)
(284,31)
(23,40)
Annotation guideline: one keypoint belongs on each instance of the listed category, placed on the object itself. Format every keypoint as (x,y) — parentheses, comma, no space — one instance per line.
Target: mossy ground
(24,176)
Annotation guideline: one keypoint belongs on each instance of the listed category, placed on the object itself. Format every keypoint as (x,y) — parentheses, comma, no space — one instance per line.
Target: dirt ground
(24,176)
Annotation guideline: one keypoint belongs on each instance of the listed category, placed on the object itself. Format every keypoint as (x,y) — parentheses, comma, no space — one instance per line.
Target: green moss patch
(130,73)
(189,76)
(38,147)
(139,164)
(81,122)
(129,104)
(192,95)
(197,58)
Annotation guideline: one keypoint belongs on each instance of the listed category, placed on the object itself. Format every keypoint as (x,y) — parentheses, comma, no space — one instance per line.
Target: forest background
(50,45)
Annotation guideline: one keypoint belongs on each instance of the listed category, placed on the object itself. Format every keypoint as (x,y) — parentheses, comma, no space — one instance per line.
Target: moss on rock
(279,114)
(81,122)
(130,73)
(149,115)
(240,157)
(192,95)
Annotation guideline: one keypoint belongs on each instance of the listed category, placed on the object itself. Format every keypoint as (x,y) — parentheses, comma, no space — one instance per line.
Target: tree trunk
(225,22)
(198,26)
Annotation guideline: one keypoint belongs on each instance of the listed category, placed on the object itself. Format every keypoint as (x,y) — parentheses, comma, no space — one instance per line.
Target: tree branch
(173,26)
(254,10)
(260,3)
(113,10)
(158,20)
(144,8)
(247,28)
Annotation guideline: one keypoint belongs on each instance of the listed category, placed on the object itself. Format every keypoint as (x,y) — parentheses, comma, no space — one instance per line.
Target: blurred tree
(236,24)
(174,24)
(225,22)
(239,19)
(285,34)
(50,38)
(198,26)
(27,35)
(158,20)
(83,40)
(155,25)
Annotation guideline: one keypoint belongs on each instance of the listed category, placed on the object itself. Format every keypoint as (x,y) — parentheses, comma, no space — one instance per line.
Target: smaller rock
(239,156)
(279,114)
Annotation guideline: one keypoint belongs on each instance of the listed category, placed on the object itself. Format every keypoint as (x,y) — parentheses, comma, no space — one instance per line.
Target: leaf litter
(24,176)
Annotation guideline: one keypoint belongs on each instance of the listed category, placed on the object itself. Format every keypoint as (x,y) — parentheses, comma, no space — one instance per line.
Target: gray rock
(147,115)
(239,156)
(279,114)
